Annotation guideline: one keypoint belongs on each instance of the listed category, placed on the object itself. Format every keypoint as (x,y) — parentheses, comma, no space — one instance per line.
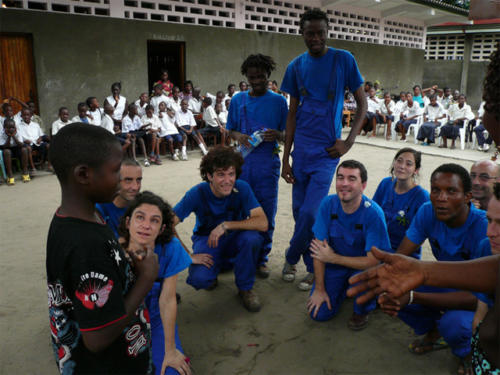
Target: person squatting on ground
(314,126)
(348,224)
(228,222)
(254,110)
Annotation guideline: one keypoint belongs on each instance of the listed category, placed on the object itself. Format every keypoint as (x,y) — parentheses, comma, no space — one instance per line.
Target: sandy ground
(216,332)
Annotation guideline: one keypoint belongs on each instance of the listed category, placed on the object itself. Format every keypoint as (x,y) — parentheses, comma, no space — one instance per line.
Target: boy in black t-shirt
(98,321)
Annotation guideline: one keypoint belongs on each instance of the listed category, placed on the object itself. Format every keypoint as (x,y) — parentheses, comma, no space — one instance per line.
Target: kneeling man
(348,224)
(228,219)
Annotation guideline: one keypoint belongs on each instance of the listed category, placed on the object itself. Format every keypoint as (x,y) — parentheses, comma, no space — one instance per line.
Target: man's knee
(200,276)
(250,238)
(456,326)
(324,314)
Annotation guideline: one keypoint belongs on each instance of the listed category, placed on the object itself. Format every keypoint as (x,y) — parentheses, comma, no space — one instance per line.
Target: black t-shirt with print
(88,278)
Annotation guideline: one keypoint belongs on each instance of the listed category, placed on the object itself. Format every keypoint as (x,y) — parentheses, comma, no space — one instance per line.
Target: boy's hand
(339,148)
(146,263)
(271,135)
(286,173)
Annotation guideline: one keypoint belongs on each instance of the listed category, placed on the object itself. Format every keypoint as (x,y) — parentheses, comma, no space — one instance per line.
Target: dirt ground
(217,333)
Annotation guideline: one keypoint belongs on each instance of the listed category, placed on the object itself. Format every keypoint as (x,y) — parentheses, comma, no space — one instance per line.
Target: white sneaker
(486,147)
(175,157)
(307,282)
(146,163)
(480,148)
(184,156)
(288,272)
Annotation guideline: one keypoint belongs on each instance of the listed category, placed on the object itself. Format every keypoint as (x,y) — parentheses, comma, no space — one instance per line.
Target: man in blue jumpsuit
(348,224)
(454,228)
(315,81)
(250,111)
(228,222)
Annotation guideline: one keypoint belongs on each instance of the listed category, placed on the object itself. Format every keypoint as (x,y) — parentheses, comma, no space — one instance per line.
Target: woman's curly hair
(491,92)
(220,157)
(167,214)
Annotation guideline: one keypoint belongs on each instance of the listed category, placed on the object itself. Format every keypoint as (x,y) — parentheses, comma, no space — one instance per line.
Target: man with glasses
(483,173)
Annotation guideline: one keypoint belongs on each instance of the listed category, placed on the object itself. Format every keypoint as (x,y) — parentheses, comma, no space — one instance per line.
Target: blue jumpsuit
(240,248)
(350,235)
(448,244)
(399,209)
(172,259)
(319,84)
(111,215)
(262,166)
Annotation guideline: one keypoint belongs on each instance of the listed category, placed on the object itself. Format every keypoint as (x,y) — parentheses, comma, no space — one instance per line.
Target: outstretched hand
(397,275)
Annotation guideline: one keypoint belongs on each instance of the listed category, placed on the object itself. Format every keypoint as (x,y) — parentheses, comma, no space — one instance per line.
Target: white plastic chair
(415,127)
(461,134)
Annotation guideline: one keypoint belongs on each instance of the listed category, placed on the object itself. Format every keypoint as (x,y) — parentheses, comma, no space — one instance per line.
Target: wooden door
(17,69)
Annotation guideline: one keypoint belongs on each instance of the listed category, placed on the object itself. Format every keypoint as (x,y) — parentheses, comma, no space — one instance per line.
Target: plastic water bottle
(255,140)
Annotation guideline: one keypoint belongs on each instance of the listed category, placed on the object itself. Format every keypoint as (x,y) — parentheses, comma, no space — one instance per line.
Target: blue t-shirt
(172,258)
(210,211)
(269,110)
(449,244)
(341,229)
(111,215)
(399,209)
(316,76)
(420,100)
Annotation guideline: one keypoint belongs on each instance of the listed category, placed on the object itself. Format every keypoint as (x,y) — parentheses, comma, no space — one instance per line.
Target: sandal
(26,178)
(422,346)
(11,181)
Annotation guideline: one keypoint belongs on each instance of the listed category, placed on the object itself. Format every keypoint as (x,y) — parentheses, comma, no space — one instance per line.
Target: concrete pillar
(239,14)
(116,8)
(466,63)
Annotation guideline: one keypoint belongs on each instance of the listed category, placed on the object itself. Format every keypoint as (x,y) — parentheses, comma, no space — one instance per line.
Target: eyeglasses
(483,177)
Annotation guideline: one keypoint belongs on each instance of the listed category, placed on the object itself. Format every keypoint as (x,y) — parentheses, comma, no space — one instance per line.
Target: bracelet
(411,298)
(223,225)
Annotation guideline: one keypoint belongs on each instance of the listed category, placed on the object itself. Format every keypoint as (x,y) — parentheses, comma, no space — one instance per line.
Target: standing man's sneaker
(250,300)
(357,322)
(288,273)
(184,156)
(263,271)
(307,282)
(486,147)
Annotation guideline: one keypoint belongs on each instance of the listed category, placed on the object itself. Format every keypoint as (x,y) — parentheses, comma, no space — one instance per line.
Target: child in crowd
(385,113)
(409,115)
(433,113)
(11,144)
(132,125)
(157,98)
(212,122)
(118,102)
(175,101)
(152,123)
(98,321)
(8,112)
(63,120)
(188,90)
(149,214)
(107,119)
(457,114)
(370,122)
(141,103)
(170,133)
(167,86)
(243,86)
(83,115)
(94,112)
(222,115)
(184,119)
(33,136)
(400,104)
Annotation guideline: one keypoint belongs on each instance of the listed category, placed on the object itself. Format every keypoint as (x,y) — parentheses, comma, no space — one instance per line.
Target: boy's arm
(147,270)
(286,170)
(20,102)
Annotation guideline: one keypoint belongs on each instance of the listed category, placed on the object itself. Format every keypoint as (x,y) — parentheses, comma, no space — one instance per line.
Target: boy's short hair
(259,61)
(207,100)
(9,120)
(458,170)
(77,144)
(220,157)
(149,107)
(89,100)
(81,105)
(131,106)
(312,15)
(62,109)
(354,164)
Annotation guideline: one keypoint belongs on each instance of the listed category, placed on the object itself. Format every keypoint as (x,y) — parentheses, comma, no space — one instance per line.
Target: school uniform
(261,169)
(168,129)
(58,124)
(445,101)
(175,104)
(186,121)
(351,235)
(318,126)
(427,130)
(222,116)
(119,106)
(107,123)
(410,111)
(373,107)
(211,125)
(32,132)
(399,209)
(14,143)
(384,110)
(450,129)
(447,244)
(77,118)
(195,104)
(131,125)
(479,128)
(239,247)
(96,116)
(156,100)
(141,109)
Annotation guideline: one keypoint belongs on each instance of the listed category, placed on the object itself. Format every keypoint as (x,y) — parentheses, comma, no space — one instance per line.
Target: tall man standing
(315,82)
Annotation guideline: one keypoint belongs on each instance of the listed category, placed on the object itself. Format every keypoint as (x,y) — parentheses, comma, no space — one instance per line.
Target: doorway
(169,56)
(17,69)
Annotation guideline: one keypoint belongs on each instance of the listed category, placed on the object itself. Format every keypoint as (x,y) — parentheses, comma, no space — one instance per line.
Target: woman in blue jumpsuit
(400,196)
(148,222)
(260,109)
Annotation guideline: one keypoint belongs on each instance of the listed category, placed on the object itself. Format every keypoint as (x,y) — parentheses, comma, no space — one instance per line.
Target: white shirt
(119,107)
(167,125)
(130,125)
(58,124)
(214,101)
(400,105)
(373,104)
(175,105)
(433,113)
(30,132)
(414,110)
(96,116)
(195,105)
(480,111)
(184,118)
(209,116)
(154,121)
(455,112)
(78,119)
(108,123)
(444,100)
(12,140)
(222,117)
(156,100)
(383,107)
(141,110)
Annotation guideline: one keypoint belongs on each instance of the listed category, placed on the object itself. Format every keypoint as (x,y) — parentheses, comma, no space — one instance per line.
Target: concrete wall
(448,73)
(80,56)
